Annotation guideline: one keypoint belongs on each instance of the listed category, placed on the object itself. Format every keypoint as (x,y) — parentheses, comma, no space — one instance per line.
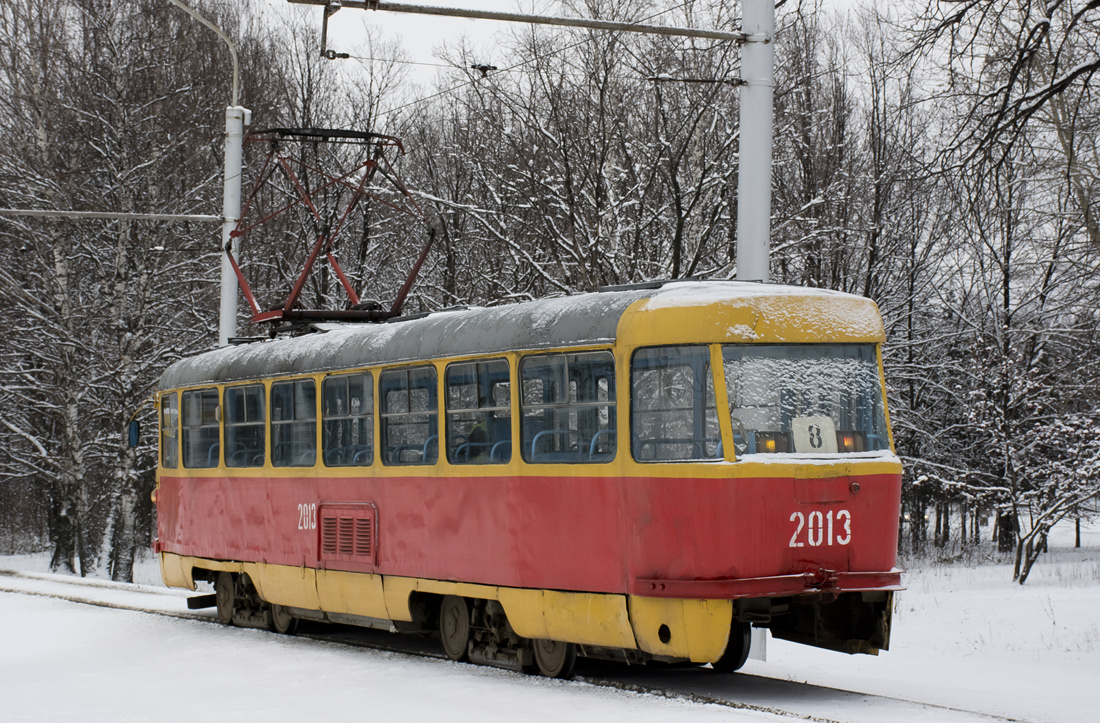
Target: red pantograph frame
(377,163)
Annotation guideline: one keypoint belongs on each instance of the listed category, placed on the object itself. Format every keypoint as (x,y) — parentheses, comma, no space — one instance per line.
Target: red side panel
(595,534)
(748,528)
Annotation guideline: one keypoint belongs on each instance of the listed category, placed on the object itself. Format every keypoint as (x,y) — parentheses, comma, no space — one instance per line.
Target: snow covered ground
(968,645)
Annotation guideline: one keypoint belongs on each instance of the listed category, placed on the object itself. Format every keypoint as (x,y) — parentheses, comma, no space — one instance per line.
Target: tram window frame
(561,389)
(244,415)
(662,407)
(400,418)
(339,425)
(813,398)
(169,431)
(201,421)
(295,431)
(479,411)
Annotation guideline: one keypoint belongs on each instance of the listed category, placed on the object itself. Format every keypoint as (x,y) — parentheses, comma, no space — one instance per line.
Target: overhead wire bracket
(330,9)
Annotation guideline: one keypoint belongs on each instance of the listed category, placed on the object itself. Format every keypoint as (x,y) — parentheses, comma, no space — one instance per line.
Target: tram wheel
(555,659)
(737,649)
(282,621)
(454,627)
(225,597)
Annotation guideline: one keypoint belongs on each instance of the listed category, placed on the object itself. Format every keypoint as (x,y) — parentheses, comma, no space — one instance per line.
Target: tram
(643,473)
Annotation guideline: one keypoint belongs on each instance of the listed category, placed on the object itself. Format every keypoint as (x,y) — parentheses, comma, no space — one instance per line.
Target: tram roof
(560,322)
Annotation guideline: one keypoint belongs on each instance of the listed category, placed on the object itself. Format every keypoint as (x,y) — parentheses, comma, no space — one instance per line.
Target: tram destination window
(568,407)
(347,430)
(169,431)
(409,416)
(673,414)
(245,421)
(805,398)
(294,423)
(479,415)
(200,429)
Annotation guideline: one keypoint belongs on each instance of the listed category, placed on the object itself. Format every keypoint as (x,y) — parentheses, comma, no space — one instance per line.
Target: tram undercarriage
(478,630)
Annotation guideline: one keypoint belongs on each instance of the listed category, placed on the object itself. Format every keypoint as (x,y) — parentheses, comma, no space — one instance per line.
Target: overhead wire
(395,61)
(516,69)
(512,68)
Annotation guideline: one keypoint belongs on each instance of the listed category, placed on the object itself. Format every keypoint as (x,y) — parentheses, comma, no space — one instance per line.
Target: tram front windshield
(805,398)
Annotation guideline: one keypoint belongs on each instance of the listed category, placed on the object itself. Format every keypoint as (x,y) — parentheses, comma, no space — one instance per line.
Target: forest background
(941,158)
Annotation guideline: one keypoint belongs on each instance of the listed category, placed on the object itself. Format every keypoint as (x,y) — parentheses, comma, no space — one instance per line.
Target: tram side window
(479,417)
(294,423)
(347,431)
(409,416)
(568,407)
(244,426)
(200,429)
(169,431)
(673,411)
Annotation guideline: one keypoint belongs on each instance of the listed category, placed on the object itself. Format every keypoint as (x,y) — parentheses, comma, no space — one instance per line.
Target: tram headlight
(850,441)
(772,442)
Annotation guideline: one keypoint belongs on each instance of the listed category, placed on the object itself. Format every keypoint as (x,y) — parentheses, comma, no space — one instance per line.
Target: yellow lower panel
(352,593)
(283,585)
(692,629)
(583,618)
(176,570)
(696,629)
(398,590)
(574,617)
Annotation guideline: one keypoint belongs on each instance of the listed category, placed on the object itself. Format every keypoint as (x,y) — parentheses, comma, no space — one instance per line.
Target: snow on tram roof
(564,321)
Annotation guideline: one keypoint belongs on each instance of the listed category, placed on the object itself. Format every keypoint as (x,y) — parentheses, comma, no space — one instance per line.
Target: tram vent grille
(363,538)
(347,533)
(328,535)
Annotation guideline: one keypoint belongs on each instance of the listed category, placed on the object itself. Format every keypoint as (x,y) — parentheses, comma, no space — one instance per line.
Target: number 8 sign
(814,434)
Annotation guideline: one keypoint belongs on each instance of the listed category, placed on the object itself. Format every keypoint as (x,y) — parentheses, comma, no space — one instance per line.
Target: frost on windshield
(805,398)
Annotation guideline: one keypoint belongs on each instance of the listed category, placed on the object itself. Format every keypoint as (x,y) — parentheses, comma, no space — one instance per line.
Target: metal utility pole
(754,184)
(236,118)
(754,177)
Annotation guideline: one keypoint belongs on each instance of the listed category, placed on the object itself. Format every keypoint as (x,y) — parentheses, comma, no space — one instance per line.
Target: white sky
(423,35)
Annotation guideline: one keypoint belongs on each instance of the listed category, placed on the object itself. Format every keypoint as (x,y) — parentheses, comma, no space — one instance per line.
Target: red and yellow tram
(642,473)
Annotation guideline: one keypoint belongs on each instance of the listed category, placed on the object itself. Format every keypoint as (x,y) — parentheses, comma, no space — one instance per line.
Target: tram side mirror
(134,432)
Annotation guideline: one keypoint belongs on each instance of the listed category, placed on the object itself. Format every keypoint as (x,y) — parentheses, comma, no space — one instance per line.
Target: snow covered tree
(1016,64)
(1014,83)
(1065,480)
(108,106)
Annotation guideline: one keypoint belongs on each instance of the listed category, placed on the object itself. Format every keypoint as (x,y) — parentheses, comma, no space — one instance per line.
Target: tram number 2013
(821,528)
(307,516)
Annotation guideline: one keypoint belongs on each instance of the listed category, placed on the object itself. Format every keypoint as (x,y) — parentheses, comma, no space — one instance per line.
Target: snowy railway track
(101,593)
(794,699)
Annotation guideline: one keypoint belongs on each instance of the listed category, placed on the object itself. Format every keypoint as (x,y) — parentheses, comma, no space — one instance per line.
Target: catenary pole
(754,177)
(236,118)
